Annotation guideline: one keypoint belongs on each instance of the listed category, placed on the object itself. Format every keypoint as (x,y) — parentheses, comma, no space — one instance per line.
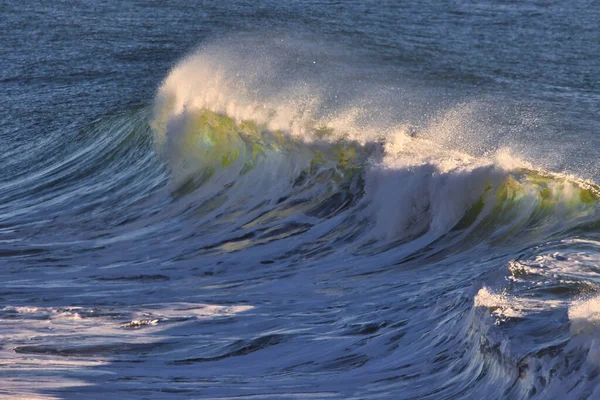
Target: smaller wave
(551,291)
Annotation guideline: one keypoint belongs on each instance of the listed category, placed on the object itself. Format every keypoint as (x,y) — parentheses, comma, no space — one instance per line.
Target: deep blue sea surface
(300,199)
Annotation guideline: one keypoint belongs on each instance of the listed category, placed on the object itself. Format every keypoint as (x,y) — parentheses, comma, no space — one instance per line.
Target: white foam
(499,304)
(503,305)
(585,316)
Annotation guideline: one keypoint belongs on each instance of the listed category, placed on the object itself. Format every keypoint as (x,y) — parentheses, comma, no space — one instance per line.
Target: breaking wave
(401,249)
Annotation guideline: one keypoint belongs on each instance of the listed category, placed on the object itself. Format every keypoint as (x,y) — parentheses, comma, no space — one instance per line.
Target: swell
(89,183)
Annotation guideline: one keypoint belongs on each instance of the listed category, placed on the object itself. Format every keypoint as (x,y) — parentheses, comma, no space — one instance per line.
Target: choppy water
(343,200)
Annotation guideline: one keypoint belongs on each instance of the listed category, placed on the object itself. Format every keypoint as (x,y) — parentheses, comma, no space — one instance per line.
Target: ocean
(304,199)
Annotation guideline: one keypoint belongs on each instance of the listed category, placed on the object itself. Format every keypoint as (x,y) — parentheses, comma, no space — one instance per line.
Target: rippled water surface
(312,199)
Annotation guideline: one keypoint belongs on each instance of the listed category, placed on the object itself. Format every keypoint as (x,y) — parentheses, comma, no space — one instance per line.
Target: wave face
(273,227)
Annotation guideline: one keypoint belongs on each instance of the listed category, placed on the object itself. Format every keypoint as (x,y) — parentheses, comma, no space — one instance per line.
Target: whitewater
(290,216)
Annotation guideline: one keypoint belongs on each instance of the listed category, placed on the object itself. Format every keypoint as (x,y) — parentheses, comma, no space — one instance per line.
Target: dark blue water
(309,199)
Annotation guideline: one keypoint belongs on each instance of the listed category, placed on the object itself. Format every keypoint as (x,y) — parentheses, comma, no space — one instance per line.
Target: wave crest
(228,118)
